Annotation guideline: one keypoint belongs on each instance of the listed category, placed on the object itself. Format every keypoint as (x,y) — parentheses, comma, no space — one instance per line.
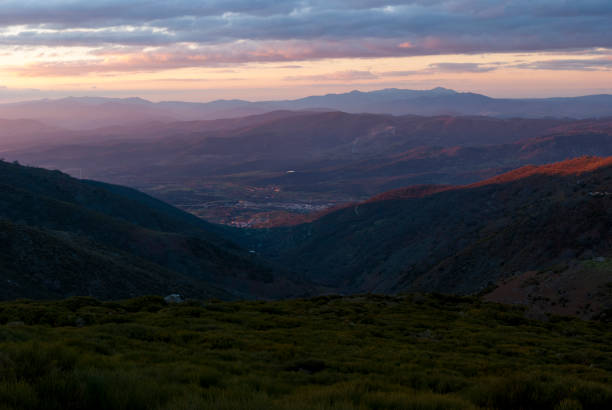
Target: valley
(264,169)
(305,205)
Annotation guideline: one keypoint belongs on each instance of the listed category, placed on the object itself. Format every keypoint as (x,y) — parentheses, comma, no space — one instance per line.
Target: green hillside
(43,264)
(361,352)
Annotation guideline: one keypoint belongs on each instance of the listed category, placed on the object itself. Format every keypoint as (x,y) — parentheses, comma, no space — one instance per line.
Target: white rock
(174,298)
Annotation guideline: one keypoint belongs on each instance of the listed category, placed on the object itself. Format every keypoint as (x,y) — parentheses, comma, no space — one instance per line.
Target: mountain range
(514,209)
(538,236)
(258,170)
(95,112)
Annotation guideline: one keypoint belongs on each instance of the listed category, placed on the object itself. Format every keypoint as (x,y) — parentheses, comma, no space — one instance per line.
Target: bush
(422,352)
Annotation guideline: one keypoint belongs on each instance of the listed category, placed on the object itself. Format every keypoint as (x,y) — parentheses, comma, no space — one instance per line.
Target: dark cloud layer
(217,32)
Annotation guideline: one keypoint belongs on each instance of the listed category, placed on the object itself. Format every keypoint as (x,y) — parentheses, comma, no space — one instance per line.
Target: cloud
(358,75)
(130,59)
(438,68)
(345,76)
(462,68)
(151,34)
(597,64)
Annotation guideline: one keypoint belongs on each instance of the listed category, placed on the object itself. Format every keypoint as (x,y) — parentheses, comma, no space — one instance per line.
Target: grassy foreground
(363,352)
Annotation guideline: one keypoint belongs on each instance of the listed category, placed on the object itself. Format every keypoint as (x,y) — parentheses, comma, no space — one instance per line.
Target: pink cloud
(349,75)
(111,60)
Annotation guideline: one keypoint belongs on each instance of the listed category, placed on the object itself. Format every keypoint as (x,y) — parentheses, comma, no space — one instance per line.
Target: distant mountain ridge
(93,112)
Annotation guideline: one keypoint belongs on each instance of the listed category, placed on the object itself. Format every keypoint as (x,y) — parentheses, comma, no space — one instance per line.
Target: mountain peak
(442,90)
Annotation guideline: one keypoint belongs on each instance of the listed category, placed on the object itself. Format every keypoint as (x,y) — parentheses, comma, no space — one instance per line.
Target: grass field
(362,352)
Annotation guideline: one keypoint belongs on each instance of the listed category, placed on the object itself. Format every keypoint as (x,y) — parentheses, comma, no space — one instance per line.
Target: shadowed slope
(459,240)
(135,225)
(42,264)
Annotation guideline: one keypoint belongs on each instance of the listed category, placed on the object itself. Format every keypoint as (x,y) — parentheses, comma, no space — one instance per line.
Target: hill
(110,242)
(461,239)
(44,264)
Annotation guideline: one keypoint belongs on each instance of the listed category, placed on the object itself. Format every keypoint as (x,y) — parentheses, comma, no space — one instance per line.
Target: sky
(194,50)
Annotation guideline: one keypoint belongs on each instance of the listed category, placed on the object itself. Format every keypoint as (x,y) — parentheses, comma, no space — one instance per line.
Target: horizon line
(160,101)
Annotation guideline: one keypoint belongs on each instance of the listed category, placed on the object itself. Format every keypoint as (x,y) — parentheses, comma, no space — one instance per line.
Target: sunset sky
(270,49)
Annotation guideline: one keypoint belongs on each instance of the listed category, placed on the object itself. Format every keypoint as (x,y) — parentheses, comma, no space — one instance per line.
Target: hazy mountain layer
(260,170)
(89,113)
